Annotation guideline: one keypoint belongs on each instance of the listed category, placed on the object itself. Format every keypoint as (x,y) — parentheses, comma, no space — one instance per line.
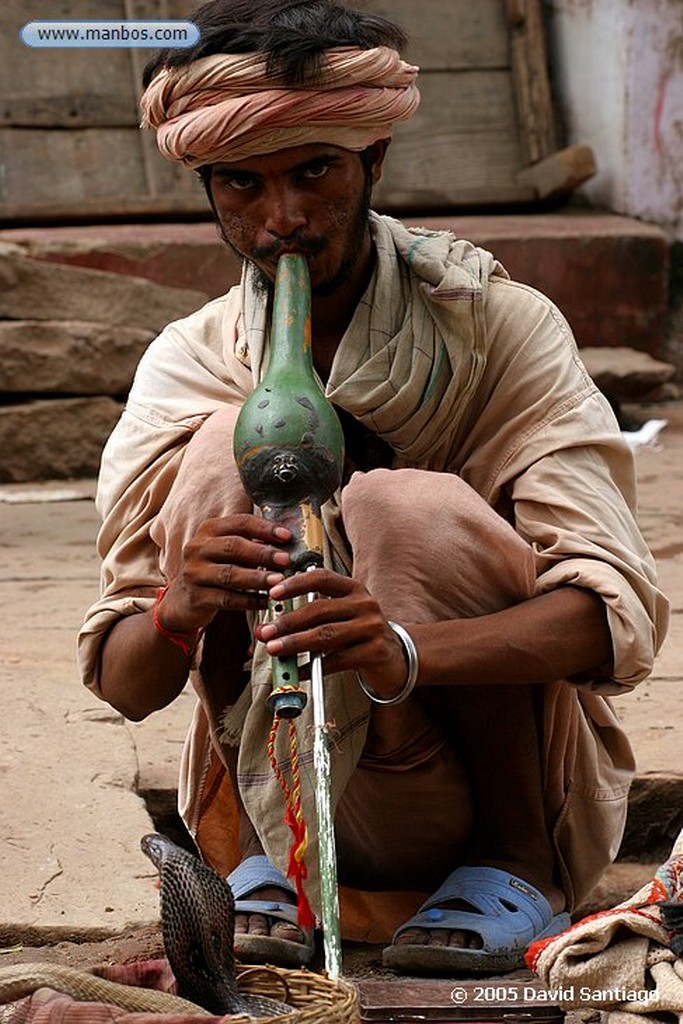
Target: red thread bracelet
(186,639)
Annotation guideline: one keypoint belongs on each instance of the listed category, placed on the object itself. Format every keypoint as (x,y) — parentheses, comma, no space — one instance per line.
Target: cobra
(198,925)
(198,922)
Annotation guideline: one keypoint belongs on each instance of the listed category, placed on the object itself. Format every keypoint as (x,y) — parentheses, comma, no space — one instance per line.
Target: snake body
(198,925)
(198,922)
(19,980)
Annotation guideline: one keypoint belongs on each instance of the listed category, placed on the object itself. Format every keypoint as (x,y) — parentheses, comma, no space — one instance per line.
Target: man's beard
(358,226)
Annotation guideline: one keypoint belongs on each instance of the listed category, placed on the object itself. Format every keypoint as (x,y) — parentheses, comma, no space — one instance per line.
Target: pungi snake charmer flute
(289,450)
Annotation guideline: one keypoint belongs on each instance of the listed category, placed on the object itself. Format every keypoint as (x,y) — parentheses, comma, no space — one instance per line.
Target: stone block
(176,255)
(50,291)
(624,374)
(54,440)
(655,816)
(618,883)
(608,274)
(69,356)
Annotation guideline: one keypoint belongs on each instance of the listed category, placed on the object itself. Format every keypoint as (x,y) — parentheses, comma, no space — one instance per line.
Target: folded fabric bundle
(621,960)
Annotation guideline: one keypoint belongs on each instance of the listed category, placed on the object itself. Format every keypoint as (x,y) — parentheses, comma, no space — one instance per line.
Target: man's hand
(344,624)
(229,565)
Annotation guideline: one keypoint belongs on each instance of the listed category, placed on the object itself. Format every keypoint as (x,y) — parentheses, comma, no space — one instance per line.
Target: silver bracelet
(412,662)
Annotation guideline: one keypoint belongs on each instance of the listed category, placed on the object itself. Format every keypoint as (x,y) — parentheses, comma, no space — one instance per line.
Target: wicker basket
(315,998)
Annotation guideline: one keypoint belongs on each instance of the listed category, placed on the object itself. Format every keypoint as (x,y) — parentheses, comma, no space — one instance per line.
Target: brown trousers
(531,778)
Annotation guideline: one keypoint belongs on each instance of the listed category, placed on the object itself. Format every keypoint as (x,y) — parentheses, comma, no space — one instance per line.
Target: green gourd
(288,441)
(289,445)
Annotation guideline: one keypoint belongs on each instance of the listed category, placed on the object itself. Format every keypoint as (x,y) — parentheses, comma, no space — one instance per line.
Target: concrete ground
(72,771)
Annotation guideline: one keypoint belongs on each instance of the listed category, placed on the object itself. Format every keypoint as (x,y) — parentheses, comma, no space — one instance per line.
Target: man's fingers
(315,581)
(229,565)
(248,526)
(235,551)
(326,638)
(225,577)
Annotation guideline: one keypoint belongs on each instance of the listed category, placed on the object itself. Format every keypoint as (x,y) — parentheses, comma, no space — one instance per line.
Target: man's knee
(427,545)
(394,489)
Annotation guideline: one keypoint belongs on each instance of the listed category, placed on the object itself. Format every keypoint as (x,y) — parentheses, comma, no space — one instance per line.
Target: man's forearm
(141,671)
(554,636)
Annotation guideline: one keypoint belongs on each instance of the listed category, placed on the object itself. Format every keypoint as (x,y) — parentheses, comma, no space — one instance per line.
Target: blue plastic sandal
(507,913)
(253,874)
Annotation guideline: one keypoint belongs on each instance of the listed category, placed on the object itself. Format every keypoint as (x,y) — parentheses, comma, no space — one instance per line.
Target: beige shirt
(462,371)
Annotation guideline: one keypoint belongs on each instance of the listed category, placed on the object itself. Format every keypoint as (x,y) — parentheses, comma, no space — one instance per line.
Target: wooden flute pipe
(289,448)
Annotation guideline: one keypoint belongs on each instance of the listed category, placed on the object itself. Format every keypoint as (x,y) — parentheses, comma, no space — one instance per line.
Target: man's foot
(266,929)
(262,924)
(481,920)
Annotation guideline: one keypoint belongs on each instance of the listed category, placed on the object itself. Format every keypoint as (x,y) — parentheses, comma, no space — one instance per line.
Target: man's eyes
(240,183)
(245,182)
(317,170)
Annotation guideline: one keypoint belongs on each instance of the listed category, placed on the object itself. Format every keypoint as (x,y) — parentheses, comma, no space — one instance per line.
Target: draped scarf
(412,356)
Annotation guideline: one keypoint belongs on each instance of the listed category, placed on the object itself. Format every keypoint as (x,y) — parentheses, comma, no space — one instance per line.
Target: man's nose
(284,212)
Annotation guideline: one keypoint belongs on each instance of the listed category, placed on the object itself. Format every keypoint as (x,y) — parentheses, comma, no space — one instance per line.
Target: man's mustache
(305,246)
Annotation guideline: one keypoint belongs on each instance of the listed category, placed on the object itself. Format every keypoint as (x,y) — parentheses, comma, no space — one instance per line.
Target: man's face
(312,200)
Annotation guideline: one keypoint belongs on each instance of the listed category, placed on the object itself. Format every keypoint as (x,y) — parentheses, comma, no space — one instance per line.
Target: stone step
(607,273)
(91,297)
(58,439)
(655,815)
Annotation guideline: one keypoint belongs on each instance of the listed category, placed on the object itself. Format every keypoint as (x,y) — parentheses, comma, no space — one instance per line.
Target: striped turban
(225,108)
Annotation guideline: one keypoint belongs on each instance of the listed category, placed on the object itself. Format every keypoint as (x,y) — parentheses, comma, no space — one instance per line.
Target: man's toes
(464,940)
(438,937)
(257,924)
(285,930)
(241,924)
(413,937)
